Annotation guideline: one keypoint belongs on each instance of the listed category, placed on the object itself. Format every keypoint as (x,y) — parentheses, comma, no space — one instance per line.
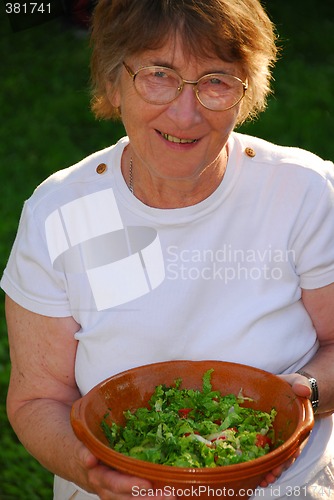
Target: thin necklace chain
(131,176)
(131,173)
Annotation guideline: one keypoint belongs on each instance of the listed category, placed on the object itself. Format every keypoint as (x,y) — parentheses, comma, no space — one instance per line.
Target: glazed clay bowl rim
(163,473)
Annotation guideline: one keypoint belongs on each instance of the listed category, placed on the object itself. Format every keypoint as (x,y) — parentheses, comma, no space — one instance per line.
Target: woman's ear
(113,95)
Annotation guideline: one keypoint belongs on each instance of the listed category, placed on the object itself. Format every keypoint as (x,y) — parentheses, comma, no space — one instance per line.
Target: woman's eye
(215,81)
(160,74)
(223,84)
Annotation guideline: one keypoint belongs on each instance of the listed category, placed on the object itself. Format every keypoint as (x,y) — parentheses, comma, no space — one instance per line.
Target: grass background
(46,125)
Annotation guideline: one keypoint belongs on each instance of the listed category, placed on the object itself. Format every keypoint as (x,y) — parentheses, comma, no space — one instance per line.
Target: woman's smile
(176,140)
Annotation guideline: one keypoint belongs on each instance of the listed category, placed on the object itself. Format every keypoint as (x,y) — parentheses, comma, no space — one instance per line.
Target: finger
(302,390)
(124,484)
(111,481)
(86,458)
(299,384)
(90,461)
(272,476)
(269,479)
(140,488)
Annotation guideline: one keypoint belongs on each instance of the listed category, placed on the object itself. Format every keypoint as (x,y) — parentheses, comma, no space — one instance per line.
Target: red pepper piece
(261,441)
(184,412)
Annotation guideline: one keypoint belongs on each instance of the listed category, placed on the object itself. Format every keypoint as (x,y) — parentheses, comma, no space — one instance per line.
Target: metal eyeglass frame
(188,82)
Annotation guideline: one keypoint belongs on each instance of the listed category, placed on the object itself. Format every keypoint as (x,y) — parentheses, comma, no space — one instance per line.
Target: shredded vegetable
(193,428)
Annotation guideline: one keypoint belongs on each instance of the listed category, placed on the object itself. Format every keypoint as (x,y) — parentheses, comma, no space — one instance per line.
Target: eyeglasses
(159,85)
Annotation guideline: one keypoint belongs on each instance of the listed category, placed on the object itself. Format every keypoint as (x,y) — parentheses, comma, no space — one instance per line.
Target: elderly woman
(184,240)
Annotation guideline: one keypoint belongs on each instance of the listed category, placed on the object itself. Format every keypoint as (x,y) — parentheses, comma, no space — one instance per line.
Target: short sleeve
(314,245)
(29,278)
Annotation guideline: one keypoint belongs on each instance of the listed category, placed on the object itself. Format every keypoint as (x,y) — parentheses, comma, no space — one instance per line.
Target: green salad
(193,428)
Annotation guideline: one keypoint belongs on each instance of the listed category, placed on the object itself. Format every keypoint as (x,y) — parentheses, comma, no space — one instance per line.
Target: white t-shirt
(218,280)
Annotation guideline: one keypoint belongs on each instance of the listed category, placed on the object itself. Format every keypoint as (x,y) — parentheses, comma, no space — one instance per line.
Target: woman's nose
(185,110)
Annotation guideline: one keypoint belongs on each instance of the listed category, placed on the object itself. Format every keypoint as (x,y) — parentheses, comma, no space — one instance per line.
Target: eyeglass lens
(162,85)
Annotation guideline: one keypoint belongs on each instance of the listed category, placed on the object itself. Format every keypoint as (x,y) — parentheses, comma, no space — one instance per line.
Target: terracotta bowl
(133,388)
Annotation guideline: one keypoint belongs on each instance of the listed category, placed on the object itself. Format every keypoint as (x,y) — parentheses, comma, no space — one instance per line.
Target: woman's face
(155,130)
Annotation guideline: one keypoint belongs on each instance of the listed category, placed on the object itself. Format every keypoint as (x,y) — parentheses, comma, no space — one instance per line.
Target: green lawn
(46,125)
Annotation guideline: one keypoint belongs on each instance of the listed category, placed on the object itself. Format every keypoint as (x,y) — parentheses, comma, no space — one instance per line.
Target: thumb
(87,458)
(299,384)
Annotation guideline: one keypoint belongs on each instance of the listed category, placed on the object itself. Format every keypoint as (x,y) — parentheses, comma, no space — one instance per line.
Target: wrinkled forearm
(45,430)
(321,366)
(43,426)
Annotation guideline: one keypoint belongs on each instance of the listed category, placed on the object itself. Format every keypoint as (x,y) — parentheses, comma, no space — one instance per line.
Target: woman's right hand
(109,484)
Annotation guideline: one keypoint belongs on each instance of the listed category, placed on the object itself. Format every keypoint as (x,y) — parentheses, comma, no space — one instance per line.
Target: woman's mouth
(177,140)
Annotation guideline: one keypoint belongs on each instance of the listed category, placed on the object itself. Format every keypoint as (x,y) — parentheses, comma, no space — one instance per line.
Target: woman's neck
(169,193)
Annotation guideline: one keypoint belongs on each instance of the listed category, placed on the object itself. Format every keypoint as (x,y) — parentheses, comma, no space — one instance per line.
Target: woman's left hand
(319,305)
(301,388)
(272,476)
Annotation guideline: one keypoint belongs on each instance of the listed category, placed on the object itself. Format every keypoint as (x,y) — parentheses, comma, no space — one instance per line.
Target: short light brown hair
(234,30)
